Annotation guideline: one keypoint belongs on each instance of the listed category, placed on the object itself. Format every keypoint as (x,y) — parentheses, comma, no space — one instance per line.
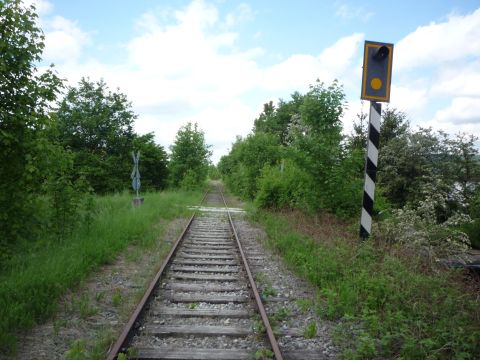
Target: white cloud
(300,70)
(455,80)
(438,43)
(462,110)
(410,100)
(436,64)
(185,65)
(243,13)
(348,12)
(64,40)
(42,7)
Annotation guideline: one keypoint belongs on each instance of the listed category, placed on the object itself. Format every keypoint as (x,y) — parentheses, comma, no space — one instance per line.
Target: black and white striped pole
(370,169)
(376,79)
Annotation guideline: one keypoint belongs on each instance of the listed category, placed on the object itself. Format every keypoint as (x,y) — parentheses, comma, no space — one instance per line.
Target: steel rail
(127,330)
(258,300)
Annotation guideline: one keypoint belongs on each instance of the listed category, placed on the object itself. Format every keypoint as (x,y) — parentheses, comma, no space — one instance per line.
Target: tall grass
(389,304)
(38,274)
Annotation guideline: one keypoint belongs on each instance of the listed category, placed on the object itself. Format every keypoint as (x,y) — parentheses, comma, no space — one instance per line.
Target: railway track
(203,303)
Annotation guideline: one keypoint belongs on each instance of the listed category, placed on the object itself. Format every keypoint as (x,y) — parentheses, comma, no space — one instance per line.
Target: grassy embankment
(40,273)
(390,304)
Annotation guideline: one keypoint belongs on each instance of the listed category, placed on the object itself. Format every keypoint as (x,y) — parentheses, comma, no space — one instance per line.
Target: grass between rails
(390,304)
(38,275)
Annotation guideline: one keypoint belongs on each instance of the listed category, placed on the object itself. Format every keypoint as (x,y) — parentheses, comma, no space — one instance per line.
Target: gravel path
(288,299)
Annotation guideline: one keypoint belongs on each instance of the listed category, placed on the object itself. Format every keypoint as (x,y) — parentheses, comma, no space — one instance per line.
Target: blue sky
(216,62)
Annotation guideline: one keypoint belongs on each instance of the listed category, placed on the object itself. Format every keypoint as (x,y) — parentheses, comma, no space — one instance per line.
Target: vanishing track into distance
(203,303)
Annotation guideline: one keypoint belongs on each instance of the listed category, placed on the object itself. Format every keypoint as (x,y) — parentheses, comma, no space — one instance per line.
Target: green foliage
(304,304)
(97,126)
(389,306)
(213,173)
(316,133)
(84,307)
(153,162)
(285,186)
(39,273)
(78,351)
(189,159)
(265,286)
(418,228)
(94,349)
(264,354)
(258,326)
(68,200)
(394,124)
(358,139)
(296,157)
(24,109)
(310,330)
(411,162)
(105,338)
(280,315)
(464,167)
(277,120)
(243,166)
(117,298)
(473,229)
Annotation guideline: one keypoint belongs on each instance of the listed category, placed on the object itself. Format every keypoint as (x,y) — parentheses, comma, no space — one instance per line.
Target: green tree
(242,167)
(304,135)
(317,140)
(394,124)
(190,157)
(24,116)
(421,162)
(464,165)
(153,162)
(277,120)
(358,138)
(96,124)
(213,172)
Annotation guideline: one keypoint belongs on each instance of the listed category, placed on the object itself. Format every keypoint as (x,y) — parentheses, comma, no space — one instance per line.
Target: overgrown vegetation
(297,158)
(61,148)
(62,144)
(388,303)
(392,296)
(189,164)
(39,273)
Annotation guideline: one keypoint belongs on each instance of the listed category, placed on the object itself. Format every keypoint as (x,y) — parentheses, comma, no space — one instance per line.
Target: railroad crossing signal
(376,79)
(377,71)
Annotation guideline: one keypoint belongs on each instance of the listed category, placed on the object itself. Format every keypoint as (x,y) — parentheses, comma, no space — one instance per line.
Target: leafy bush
(472,229)
(418,227)
(291,187)
(189,158)
(242,167)
(190,181)
(343,188)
